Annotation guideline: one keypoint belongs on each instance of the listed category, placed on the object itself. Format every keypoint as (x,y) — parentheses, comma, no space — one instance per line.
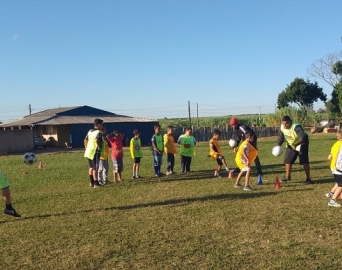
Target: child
(216,153)
(6,194)
(93,144)
(115,139)
(187,144)
(244,157)
(103,165)
(157,150)
(136,153)
(335,157)
(170,150)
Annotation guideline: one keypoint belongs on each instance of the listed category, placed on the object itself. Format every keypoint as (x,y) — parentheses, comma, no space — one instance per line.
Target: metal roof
(56,117)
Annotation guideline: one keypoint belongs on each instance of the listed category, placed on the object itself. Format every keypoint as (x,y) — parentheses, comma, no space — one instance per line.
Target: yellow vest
(92,144)
(336,156)
(104,150)
(252,154)
(289,134)
(216,146)
(169,144)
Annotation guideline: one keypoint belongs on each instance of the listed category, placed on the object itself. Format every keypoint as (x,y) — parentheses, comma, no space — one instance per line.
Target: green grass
(185,221)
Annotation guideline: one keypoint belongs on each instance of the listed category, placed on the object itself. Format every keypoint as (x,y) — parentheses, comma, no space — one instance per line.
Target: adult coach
(239,131)
(297,145)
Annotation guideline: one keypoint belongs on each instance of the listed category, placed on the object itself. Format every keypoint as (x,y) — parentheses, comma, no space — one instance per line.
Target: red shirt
(116,143)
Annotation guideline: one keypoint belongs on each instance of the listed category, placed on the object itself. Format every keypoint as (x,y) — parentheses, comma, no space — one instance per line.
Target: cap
(233,121)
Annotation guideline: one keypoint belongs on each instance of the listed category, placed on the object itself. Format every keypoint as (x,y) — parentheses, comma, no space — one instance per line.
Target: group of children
(164,144)
(97,151)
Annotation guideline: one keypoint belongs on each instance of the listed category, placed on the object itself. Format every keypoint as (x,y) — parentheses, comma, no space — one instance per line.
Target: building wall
(63,135)
(79,132)
(15,141)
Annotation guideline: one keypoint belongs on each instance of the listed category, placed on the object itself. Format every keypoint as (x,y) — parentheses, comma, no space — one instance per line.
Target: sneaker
(11,212)
(138,176)
(309,182)
(329,195)
(334,203)
(285,179)
(238,186)
(218,176)
(91,185)
(157,175)
(134,177)
(167,173)
(247,188)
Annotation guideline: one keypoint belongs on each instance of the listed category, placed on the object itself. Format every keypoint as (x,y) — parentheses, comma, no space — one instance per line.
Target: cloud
(15,36)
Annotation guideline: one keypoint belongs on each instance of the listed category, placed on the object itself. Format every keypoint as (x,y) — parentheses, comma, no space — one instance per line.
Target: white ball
(277,151)
(30,158)
(232,143)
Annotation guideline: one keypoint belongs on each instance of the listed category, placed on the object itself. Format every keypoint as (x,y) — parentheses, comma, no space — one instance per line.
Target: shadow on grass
(171,202)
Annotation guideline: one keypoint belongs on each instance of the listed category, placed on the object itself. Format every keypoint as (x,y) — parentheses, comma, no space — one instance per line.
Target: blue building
(69,125)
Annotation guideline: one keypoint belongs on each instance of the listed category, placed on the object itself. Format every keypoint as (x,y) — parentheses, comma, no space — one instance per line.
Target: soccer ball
(232,143)
(277,151)
(30,158)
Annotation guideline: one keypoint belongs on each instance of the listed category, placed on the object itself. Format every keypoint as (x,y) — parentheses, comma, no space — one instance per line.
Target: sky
(147,58)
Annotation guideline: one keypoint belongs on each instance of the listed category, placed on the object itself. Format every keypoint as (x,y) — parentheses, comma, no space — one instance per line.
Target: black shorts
(303,154)
(95,162)
(137,160)
(219,160)
(338,179)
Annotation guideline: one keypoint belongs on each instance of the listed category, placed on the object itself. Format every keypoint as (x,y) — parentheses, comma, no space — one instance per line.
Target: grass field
(183,221)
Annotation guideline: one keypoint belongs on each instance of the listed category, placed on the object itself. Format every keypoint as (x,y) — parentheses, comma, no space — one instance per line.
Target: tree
(323,68)
(333,104)
(301,92)
(337,69)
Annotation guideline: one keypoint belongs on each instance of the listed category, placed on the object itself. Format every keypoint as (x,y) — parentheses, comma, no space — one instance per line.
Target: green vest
(159,141)
(92,144)
(289,134)
(187,146)
(136,148)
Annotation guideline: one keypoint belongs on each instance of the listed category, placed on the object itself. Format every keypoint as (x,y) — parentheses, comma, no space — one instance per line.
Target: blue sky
(149,58)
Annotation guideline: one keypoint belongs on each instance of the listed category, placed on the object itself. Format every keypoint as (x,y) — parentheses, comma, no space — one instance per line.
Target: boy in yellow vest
(216,153)
(136,152)
(244,157)
(93,148)
(297,145)
(335,157)
(170,150)
(157,150)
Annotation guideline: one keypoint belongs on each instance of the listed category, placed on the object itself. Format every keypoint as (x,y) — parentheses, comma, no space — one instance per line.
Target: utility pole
(189,114)
(197,116)
(30,109)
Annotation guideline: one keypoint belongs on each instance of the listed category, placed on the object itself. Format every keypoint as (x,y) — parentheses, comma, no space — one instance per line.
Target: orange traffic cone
(277,183)
(231,174)
(40,165)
